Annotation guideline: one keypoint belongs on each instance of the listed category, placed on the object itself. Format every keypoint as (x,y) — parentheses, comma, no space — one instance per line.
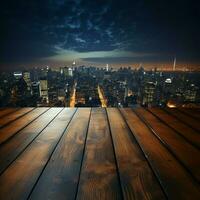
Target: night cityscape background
(99,100)
(81,53)
(100,87)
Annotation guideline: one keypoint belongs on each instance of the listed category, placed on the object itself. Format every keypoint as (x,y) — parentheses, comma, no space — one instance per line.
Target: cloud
(80,40)
(98,29)
(112,56)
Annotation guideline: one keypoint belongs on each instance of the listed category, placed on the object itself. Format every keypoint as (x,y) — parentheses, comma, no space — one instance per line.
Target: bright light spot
(168,80)
(170,105)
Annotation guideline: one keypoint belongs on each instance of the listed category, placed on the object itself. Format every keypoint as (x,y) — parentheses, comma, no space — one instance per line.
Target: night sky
(97,32)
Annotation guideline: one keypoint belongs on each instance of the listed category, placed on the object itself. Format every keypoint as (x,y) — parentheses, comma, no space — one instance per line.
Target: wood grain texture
(192,112)
(188,133)
(7,111)
(193,123)
(52,153)
(98,179)
(179,147)
(67,158)
(25,170)
(175,180)
(13,147)
(137,178)
(10,130)
(14,116)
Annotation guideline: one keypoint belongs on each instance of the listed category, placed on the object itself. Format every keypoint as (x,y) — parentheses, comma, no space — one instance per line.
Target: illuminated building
(61,71)
(67,71)
(27,78)
(107,67)
(168,80)
(148,94)
(35,89)
(70,71)
(44,90)
(191,93)
(43,72)
(18,75)
(174,65)
(167,89)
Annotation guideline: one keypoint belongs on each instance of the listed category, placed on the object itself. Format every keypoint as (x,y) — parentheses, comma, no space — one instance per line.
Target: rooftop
(99,153)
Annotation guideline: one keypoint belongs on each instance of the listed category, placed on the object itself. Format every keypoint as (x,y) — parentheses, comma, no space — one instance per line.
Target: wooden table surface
(99,153)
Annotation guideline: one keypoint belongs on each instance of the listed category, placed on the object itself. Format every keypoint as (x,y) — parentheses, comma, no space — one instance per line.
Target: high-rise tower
(174,66)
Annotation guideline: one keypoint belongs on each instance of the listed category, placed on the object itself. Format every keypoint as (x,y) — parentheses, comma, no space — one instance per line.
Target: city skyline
(96,33)
(83,86)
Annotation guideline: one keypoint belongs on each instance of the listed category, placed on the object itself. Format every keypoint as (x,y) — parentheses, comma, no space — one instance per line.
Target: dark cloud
(34,29)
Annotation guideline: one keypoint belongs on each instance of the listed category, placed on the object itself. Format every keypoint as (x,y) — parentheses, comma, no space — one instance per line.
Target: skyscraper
(148,94)
(107,67)
(68,71)
(27,78)
(44,90)
(174,66)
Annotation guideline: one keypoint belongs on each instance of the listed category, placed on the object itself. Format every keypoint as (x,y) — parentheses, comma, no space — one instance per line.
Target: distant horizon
(146,66)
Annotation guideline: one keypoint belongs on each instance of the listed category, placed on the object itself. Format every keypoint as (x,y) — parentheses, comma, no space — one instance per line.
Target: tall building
(70,71)
(67,71)
(107,67)
(44,90)
(19,93)
(174,65)
(27,78)
(61,96)
(35,88)
(61,70)
(148,94)
(167,89)
(191,93)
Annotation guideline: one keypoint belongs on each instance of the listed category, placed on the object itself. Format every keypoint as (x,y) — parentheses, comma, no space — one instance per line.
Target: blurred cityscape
(99,87)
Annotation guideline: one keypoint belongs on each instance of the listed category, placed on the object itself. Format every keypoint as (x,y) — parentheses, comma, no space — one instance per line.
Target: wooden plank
(175,180)
(193,123)
(188,133)
(6,111)
(176,144)
(99,179)
(192,112)
(19,178)
(13,147)
(14,116)
(62,183)
(11,129)
(137,178)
